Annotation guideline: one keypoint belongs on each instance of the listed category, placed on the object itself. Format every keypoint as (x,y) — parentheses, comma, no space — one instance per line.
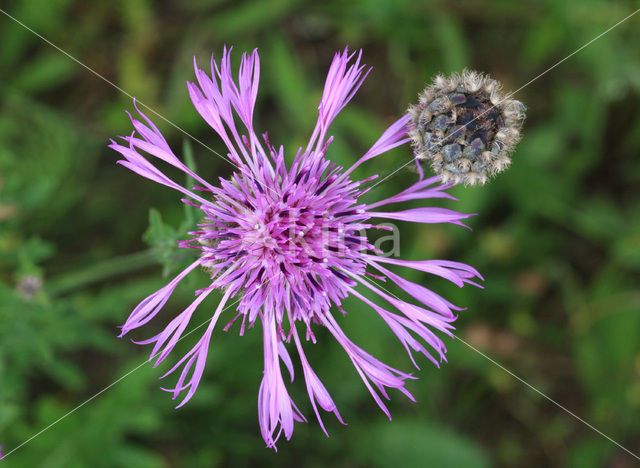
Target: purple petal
(393,136)
(456,272)
(424,215)
(151,305)
(197,356)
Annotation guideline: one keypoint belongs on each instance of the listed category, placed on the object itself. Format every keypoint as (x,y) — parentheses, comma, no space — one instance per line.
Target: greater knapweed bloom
(289,242)
(465,127)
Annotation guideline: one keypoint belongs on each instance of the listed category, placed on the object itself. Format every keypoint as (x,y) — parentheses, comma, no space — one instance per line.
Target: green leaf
(45,72)
(287,78)
(250,17)
(191,213)
(412,444)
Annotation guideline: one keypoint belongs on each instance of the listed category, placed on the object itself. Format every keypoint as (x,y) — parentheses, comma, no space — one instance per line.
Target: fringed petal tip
(175,396)
(143,343)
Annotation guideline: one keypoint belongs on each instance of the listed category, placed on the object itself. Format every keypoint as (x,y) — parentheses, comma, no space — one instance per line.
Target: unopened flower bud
(465,127)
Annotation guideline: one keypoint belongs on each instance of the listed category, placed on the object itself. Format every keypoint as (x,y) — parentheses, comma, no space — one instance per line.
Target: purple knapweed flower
(289,242)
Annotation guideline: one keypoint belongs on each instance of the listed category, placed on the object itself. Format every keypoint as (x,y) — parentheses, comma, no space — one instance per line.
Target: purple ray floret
(286,243)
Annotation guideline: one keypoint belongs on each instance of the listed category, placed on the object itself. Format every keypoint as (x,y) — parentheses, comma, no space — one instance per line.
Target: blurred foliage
(557,236)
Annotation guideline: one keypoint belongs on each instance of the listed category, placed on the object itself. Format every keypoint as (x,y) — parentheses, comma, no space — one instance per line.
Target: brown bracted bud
(465,127)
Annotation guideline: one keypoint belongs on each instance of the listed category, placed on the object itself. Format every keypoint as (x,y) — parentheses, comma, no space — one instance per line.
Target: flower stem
(100,271)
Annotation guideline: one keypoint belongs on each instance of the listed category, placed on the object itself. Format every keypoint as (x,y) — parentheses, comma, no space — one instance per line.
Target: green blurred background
(557,236)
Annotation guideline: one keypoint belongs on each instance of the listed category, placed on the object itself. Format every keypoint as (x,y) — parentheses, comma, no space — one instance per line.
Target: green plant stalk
(100,271)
